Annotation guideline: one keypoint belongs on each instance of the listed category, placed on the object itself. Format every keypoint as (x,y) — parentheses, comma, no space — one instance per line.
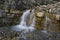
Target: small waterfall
(24,17)
(46,25)
(26,24)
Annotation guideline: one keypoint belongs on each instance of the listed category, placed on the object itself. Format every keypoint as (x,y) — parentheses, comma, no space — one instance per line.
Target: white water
(24,26)
(46,25)
(24,17)
(28,27)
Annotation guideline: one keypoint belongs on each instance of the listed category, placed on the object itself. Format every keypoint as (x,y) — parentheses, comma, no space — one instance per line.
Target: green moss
(39,23)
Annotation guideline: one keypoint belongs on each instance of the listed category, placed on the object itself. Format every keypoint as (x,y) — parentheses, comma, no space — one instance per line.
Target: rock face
(39,14)
(22,4)
(13,13)
(52,11)
(9,18)
(55,16)
(40,17)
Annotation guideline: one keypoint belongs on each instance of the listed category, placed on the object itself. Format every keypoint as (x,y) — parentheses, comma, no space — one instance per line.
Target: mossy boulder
(40,17)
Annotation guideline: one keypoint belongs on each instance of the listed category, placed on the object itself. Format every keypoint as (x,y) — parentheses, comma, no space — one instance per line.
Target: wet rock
(57,4)
(57,17)
(38,35)
(40,17)
(58,11)
(52,12)
(39,14)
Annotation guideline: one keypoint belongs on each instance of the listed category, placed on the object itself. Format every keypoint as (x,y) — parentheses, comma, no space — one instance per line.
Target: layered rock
(39,19)
(52,12)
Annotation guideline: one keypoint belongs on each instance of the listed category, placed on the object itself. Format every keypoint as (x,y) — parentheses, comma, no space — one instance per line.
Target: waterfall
(47,20)
(26,24)
(27,15)
(24,17)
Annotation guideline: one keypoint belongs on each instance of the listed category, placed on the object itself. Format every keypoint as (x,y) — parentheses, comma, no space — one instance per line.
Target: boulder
(39,19)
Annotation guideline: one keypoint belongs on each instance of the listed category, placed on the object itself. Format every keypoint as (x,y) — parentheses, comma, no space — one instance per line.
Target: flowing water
(26,24)
(46,25)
